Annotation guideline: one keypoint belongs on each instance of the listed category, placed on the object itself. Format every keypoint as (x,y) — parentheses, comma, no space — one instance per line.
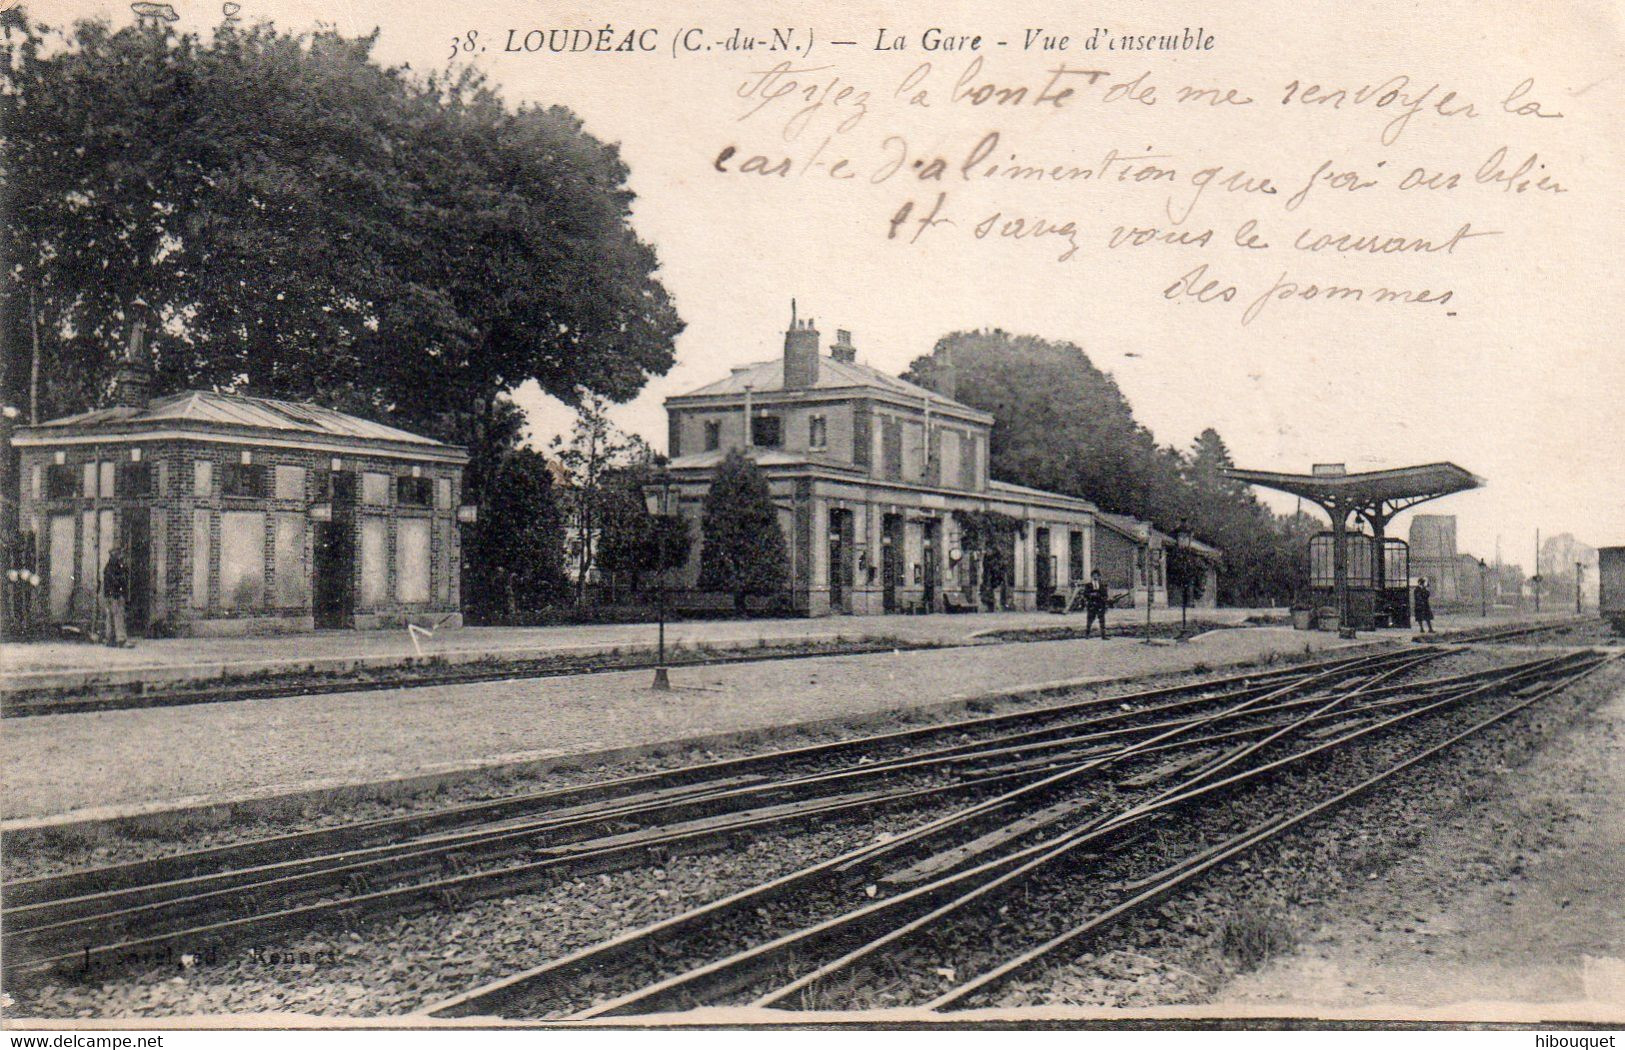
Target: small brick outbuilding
(242,514)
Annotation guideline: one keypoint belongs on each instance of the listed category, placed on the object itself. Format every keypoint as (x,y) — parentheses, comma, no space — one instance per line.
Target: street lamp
(1145,578)
(1483,590)
(1579,567)
(658,505)
(1182,541)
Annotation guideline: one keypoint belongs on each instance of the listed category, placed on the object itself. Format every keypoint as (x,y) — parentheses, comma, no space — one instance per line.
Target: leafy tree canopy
(1062,424)
(307,223)
(515,549)
(742,551)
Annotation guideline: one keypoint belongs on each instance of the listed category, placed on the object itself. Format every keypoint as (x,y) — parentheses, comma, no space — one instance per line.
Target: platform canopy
(1384,491)
(1375,495)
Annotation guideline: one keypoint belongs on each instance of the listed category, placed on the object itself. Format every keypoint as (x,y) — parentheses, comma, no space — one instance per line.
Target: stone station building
(883,491)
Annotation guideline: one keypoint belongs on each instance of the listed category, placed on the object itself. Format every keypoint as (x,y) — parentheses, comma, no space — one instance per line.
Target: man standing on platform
(1095,599)
(1424,606)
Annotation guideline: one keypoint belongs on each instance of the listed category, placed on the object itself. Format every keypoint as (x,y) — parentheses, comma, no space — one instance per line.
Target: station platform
(63,666)
(138,762)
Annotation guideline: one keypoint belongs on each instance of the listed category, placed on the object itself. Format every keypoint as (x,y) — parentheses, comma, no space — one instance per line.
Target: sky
(1520,378)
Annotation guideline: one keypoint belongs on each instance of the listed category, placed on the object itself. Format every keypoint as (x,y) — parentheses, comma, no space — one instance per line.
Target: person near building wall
(115,590)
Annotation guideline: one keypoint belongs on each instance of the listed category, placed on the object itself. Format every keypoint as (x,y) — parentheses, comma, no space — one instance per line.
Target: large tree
(632,543)
(308,223)
(1062,424)
(742,550)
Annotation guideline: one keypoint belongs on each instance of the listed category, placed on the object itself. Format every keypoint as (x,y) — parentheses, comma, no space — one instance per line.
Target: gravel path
(104,763)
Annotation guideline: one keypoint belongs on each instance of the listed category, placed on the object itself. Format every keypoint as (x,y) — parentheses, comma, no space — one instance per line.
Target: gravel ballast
(398,966)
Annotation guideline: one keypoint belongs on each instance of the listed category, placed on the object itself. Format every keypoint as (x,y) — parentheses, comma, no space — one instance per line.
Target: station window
(133,479)
(713,434)
(242,479)
(765,432)
(817,432)
(414,492)
(61,481)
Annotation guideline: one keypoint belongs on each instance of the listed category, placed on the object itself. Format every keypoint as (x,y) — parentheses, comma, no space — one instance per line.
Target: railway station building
(883,492)
(241,514)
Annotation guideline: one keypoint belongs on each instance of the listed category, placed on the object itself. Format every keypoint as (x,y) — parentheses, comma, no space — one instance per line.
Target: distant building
(241,514)
(880,483)
(1433,554)
(1121,547)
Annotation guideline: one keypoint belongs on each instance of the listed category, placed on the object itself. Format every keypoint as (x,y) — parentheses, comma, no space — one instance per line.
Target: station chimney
(132,383)
(800,353)
(842,349)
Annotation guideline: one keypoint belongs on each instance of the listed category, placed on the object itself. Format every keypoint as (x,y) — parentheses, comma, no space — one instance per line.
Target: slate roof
(833,374)
(1134,529)
(1010,488)
(210,410)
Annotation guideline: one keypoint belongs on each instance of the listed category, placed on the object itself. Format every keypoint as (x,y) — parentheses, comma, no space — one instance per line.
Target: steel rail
(556,973)
(57,922)
(387,830)
(1470,635)
(725,975)
(1180,873)
(1061,847)
(80,929)
(232,692)
(667,803)
(543,980)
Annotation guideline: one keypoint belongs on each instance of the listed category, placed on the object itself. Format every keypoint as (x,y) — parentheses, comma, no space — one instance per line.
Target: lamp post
(1145,578)
(658,506)
(1579,567)
(1483,590)
(1182,541)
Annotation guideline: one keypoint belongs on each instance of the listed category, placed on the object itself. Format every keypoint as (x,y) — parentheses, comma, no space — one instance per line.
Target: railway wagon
(1611,586)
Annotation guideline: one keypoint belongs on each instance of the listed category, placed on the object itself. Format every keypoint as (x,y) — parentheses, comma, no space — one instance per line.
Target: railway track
(807,944)
(446,858)
(20,704)
(1517,632)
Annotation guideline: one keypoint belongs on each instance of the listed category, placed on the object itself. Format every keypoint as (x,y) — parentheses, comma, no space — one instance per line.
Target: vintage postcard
(929,514)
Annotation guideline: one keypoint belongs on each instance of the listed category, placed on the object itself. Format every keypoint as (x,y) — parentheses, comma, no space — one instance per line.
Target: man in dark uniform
(1424,606)
(1095,599)
(115,589)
